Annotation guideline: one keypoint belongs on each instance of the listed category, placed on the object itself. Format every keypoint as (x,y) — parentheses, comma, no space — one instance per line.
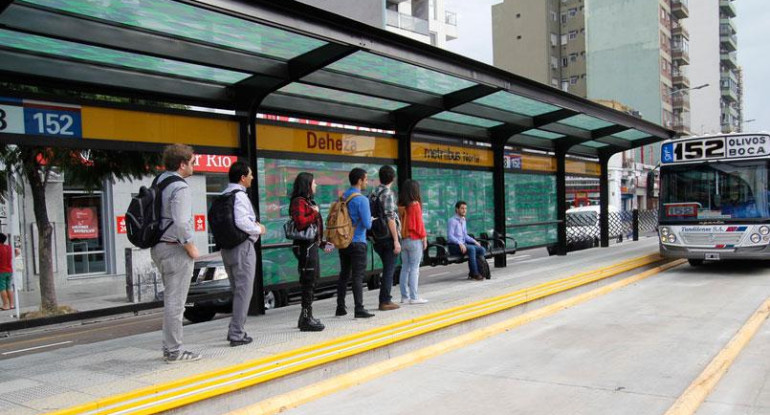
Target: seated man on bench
(461,244)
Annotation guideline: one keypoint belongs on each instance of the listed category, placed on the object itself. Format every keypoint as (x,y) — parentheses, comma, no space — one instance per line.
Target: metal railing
(407,22)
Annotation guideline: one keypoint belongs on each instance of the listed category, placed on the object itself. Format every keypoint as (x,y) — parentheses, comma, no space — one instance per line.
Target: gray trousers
(240,264)
(176,268)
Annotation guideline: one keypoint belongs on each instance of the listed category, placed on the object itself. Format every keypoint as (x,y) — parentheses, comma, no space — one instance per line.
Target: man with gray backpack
(234,224)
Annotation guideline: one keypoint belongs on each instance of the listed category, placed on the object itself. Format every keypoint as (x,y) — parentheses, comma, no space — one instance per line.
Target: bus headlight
(755,238)
(664,231)
(671,238)
(764,230)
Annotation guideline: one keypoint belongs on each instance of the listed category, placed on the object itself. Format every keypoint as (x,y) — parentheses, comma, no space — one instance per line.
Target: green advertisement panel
(276,177)
(442,188)
(530,198)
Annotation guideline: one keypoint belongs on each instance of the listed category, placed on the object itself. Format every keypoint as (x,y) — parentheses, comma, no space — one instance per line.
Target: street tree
(88,168)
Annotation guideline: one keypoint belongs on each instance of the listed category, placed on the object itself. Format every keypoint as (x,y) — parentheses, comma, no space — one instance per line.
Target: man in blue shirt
(353,258)
(460,243)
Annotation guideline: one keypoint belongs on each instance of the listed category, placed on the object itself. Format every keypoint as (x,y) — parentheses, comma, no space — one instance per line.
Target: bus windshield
(714,191)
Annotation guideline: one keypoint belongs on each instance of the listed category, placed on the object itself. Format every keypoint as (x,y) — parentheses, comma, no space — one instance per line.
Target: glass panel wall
(472,186)
(530,198)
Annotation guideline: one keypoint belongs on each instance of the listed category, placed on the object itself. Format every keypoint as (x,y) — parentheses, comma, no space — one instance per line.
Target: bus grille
(723,238)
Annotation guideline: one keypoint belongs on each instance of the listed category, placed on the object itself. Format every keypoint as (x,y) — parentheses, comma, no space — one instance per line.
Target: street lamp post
(743,124)
(683,90)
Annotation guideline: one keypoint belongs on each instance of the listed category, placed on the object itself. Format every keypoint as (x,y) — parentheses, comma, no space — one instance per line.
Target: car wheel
(695,262)
(282,298)
(270,300)
(199,314)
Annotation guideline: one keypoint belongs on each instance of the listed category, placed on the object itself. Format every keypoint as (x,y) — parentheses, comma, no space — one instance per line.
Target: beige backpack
(339,226)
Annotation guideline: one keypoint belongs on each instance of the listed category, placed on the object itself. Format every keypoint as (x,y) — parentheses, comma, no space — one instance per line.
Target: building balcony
(681,55)
(727,8)
(407,22)
(728,59)
(680,102)
(679,9)
(729,94)
(681,80)
(728,42)
(726,24)
(677,29)
(681,127)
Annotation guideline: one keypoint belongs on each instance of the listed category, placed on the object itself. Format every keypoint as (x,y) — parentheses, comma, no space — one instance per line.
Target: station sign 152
(710,148)
(39,118)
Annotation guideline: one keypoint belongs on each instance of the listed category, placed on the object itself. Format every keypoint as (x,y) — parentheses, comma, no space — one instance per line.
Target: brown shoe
(390,305)
(476,277)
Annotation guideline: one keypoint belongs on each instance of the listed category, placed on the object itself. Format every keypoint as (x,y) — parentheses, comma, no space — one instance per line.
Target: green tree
(87,167)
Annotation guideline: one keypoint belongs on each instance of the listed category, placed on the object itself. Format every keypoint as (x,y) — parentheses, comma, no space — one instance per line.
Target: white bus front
(714,198)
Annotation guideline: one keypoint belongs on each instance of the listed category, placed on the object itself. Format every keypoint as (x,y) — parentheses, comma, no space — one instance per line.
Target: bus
(714,198)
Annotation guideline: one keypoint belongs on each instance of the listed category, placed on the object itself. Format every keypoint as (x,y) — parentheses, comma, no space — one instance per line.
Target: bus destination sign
(716,148)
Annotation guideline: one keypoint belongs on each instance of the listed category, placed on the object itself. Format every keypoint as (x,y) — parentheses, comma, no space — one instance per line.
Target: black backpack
(144,214)
(222,221)
(380,229)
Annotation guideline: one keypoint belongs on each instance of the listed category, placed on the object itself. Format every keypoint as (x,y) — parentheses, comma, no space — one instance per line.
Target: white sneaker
(404,300)
(418,301)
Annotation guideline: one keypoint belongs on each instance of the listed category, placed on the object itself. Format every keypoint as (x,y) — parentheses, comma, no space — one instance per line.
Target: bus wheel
(695,262)
(374,282)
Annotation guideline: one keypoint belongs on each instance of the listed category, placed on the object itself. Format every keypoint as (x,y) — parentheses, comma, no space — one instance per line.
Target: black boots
(307,322)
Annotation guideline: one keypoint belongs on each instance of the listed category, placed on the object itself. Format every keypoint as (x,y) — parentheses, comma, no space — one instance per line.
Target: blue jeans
(411,256)
(475,253)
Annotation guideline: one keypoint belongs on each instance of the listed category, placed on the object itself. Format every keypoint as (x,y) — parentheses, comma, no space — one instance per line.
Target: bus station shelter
(289,59)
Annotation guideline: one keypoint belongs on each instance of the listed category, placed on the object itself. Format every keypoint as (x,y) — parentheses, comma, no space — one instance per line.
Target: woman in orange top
(415,240)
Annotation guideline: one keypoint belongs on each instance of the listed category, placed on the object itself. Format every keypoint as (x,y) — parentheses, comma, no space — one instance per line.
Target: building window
(565,84)
(572,12)
(573,57)
(573,34)
(433,39)
(564,17)
(573,80)
(554,16)
(554,82)
(554,62)
(564,62)
(554,39)
(85,232)
(563,39)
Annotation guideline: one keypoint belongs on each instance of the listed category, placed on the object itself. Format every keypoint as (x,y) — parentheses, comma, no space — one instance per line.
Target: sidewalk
(80,374)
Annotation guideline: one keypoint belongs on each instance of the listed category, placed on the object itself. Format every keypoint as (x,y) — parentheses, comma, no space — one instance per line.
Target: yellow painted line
(704,384)
(309,393)
(157,398)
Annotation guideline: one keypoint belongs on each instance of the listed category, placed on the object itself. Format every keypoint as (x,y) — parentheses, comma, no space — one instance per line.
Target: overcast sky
(475,41)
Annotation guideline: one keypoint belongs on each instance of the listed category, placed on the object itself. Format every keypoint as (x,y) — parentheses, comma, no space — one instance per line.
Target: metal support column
(561,200)
(498,180)
(604,201)
(404,164)
(248,147)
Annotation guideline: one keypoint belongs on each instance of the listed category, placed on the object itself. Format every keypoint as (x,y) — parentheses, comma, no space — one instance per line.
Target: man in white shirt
(241,261)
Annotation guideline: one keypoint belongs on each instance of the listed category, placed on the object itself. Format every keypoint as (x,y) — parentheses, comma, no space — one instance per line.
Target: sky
(475,41)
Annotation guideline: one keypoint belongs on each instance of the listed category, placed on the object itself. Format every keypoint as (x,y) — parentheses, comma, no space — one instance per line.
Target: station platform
(80,375)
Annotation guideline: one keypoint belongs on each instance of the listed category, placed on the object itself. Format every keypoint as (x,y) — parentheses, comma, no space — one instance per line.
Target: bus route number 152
(699,149)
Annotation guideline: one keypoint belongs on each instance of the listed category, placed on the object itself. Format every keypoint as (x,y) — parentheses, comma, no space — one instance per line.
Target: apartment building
(427,21)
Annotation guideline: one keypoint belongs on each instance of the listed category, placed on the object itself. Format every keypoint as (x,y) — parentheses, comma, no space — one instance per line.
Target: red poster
(121,224)
(200,223)
(82,223)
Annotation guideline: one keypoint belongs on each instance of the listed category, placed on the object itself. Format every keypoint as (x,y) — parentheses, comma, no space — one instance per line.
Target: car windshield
(721,191)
